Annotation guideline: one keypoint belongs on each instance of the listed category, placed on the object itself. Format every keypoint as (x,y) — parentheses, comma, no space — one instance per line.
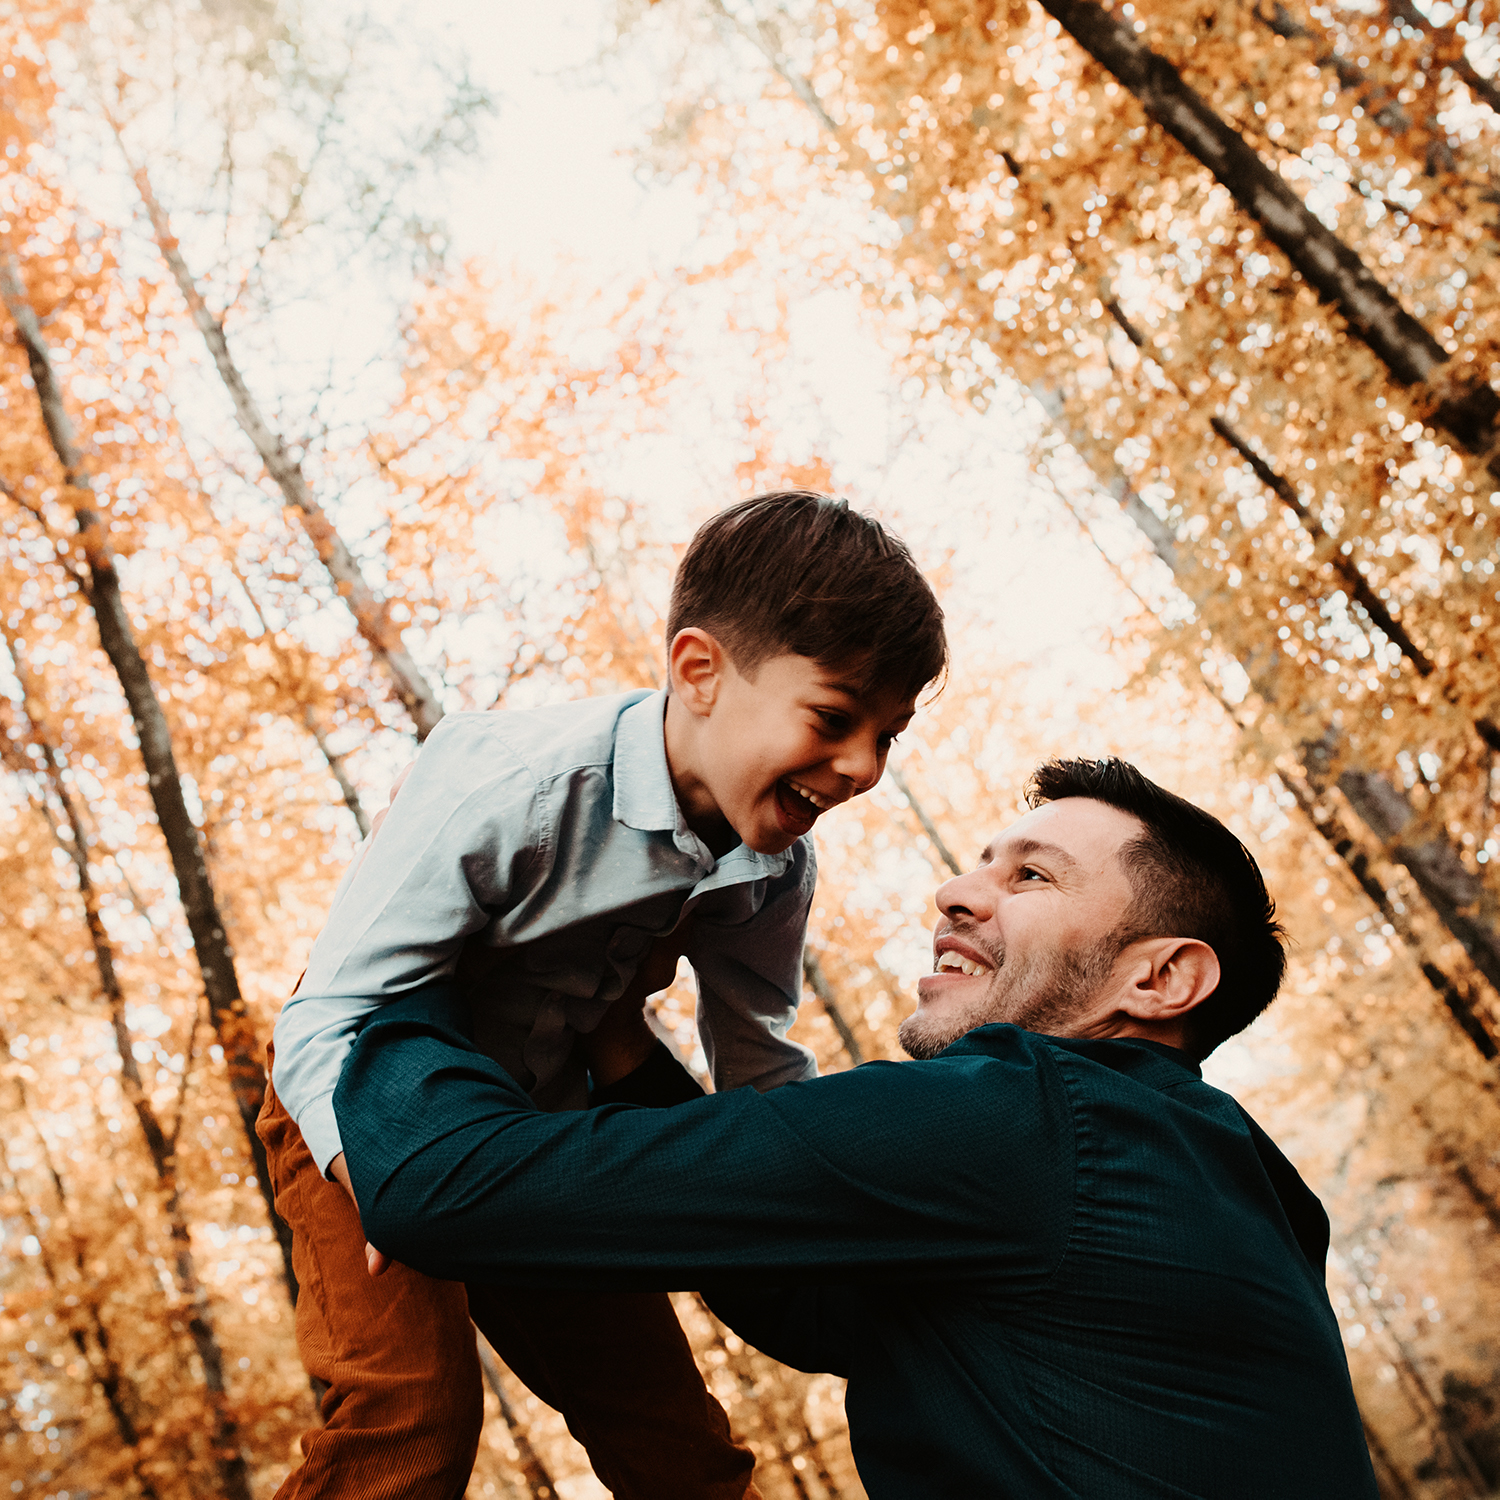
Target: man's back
(1173,1337)
(1047,1267)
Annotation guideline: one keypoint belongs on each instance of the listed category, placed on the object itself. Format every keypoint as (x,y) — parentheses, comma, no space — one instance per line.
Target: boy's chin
(769,841)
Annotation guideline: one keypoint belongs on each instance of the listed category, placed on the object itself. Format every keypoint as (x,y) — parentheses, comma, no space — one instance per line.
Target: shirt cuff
(320,1131)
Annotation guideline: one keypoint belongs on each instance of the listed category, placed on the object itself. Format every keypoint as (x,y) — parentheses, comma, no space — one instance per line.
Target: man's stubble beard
(1040,992)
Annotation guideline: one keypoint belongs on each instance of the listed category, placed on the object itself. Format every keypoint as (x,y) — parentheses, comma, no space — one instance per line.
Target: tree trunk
(1339,276)
(924,818)
(1444,881)
(161,1144)
(538,1480)
(817,980)
(371,613)
(226,1007)
(119,1391)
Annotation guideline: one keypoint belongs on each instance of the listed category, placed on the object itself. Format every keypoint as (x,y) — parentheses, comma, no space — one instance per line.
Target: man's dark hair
(1191,878)
(801,572)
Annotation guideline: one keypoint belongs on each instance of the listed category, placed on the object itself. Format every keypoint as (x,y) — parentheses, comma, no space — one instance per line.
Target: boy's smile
(759,758)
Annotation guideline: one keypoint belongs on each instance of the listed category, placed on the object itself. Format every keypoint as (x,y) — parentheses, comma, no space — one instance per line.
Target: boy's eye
(835,723)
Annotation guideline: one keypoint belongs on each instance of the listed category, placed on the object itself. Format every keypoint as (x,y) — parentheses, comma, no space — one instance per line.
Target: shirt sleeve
(750,984)
(958,1168)
(459,841)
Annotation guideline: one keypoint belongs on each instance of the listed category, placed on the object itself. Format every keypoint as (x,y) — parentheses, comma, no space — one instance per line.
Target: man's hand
(376,1261)
(623,1040)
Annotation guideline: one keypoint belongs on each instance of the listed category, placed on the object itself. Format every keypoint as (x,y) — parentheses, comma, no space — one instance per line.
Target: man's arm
(949,1170)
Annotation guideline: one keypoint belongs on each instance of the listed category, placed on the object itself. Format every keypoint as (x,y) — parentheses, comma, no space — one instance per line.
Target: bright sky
(556,185)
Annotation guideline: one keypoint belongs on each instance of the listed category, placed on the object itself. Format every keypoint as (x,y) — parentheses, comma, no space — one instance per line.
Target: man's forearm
(458,1175)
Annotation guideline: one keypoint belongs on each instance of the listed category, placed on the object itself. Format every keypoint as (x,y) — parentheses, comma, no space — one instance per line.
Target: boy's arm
(455,844)
(750,984)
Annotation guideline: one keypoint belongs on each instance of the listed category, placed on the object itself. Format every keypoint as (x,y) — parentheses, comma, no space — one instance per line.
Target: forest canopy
(1165,333)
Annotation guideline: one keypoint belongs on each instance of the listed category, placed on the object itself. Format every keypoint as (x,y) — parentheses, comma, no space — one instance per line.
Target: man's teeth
(952,960)
(821,803)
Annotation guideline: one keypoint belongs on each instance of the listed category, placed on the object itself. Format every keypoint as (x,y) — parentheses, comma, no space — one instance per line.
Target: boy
(554,862)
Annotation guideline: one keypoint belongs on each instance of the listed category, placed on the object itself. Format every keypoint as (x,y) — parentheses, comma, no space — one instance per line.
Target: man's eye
(1030,874)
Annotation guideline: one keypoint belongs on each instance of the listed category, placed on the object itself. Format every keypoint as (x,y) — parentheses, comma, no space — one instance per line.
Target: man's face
(790,740)
(1029,937)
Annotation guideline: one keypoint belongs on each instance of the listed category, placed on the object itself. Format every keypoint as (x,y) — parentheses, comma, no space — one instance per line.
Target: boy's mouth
(799,806)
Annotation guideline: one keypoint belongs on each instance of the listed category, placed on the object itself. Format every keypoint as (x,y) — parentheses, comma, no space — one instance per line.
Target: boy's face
(776,748)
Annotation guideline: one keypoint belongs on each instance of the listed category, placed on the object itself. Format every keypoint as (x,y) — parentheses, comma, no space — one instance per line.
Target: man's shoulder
(547,740)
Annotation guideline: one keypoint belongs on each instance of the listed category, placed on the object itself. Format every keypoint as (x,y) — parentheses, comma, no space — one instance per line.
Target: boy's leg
(619,1368)
(404,1405)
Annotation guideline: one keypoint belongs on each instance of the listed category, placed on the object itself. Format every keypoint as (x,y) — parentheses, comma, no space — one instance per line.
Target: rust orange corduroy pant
(404,1405)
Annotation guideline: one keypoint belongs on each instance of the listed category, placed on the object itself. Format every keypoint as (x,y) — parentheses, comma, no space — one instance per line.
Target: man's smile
(953,955)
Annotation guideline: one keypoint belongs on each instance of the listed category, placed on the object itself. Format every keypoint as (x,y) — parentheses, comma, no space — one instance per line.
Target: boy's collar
(644,798)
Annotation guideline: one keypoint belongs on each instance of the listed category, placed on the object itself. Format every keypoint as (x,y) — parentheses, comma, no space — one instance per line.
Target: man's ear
(696,663)
(1170,977)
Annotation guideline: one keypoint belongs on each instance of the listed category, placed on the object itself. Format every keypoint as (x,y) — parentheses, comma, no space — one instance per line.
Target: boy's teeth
(952,960)
(821,803)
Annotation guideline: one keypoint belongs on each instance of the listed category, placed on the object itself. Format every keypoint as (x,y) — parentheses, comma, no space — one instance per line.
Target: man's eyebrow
(1028,848)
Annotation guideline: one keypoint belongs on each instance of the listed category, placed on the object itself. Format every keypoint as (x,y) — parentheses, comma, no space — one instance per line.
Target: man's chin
(928,1031)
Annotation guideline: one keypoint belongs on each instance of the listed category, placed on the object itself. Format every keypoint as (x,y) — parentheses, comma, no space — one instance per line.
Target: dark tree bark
(538,1479)
(1447,885)
(86,1329)
(161,1142)
(101,584)
(371,613)
(1410,353)
(920,813)
(817,981)
(1465,408)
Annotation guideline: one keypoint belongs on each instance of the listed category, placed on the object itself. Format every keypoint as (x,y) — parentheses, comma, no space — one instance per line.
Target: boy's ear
(696,663)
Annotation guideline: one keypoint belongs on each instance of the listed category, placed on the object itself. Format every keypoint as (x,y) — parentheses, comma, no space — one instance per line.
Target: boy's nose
(859,762)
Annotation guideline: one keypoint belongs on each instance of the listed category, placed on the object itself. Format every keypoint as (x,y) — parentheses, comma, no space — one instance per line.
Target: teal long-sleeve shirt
(1046,1267)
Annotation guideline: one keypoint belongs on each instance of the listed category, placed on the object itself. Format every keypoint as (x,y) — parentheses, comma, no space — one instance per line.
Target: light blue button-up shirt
(534,856)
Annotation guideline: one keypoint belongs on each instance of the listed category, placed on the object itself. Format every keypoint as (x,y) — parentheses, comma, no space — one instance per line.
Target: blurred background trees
(1165,334)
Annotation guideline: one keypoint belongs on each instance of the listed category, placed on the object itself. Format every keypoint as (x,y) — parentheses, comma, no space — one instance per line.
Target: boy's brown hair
(800,572)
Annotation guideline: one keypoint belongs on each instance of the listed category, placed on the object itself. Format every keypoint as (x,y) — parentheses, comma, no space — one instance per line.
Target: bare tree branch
(371,613)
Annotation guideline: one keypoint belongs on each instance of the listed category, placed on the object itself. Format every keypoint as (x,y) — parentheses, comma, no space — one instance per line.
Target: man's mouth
(951,959)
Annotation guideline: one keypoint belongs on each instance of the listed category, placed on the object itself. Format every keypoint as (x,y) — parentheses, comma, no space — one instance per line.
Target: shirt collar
(644,798)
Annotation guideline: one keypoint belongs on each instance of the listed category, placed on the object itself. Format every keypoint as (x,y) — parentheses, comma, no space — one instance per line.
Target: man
(1049,1258)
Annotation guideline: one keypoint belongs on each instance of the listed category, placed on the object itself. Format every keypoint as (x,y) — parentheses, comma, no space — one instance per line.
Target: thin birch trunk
(539,1481)
(226,1006)
(920,813)
(817,980)
(371,612)
(1448,886)
(1466,409)
(118,1389)
(161,1144)
(1325,546)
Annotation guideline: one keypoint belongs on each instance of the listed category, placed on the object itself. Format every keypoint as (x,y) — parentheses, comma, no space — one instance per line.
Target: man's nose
(968,895)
